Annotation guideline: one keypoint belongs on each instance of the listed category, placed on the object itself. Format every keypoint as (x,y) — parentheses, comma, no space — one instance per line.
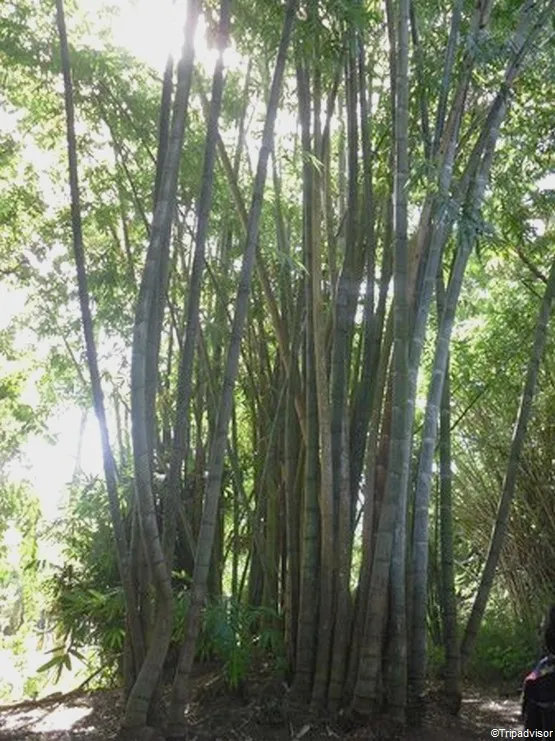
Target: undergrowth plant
(87,606)
(239,634)
(86,599)
(507,646)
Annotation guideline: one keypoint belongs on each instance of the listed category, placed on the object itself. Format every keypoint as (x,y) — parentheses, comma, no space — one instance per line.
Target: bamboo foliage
(279,347)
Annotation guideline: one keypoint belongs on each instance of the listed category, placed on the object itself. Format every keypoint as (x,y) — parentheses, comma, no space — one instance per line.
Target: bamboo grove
(284,291)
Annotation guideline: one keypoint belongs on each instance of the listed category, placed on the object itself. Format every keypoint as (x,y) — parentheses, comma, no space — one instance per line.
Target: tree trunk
(310,557)
(420,543)
(185,377)
(477,176)
(145,346)
(313,211)
(509,484)
(217,452)
(448,596)
(366,694)
(401,434)
(110,474)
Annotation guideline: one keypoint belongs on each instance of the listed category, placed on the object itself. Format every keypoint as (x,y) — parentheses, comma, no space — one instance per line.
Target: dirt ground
(264,714)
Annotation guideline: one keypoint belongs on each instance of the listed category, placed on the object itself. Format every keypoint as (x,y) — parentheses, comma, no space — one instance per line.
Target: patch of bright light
(12,302)
(49,468)
(153,30)
(538,225)
(150,31)
(547,182)
(42,720)
(62,719)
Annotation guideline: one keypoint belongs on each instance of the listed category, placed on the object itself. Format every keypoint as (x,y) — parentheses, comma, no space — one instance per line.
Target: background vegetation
(317,443)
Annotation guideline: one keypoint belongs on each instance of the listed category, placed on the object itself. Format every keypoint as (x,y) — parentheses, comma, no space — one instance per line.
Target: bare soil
(264,712)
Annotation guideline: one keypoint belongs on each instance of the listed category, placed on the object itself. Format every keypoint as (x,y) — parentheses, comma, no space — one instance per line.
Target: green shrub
(86,599)
(505,649)
(88,606)
(236,634)
(436,659)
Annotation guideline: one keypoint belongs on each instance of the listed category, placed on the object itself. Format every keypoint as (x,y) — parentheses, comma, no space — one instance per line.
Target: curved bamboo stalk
(217,453)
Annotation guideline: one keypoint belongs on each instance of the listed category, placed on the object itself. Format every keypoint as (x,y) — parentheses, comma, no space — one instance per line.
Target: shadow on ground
(263,716)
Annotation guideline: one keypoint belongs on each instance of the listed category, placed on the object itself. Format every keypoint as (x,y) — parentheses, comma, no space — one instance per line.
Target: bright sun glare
(152,29)
(149,30)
